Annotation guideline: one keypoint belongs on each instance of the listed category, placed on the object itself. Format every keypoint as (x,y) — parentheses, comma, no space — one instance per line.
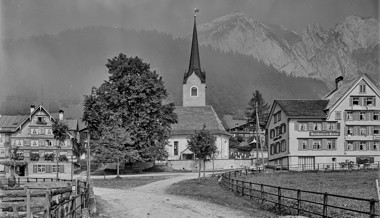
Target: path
(151,201)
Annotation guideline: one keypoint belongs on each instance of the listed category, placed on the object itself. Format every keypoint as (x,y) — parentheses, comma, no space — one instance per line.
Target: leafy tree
(126,116)
(202,144)
(262,109)
(60,130)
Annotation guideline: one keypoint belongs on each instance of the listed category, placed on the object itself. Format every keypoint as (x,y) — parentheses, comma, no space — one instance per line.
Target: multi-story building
(343,126)
(31,138)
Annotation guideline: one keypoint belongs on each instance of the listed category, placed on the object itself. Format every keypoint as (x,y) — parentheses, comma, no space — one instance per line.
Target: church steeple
(194,81)
(195,63)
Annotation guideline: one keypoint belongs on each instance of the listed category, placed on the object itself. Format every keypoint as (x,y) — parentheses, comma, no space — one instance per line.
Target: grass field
(359,184)
(127,182)
(210,190)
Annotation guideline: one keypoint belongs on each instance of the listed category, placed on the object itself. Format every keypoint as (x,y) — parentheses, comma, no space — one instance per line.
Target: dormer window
(362,88)
(194,91)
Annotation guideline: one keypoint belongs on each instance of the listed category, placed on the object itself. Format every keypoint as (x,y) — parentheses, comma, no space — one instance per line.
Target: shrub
(63,158)
(34,156)
(49,156)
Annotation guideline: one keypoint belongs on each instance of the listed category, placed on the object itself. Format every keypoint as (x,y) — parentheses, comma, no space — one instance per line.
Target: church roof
(195,63)
(193,118)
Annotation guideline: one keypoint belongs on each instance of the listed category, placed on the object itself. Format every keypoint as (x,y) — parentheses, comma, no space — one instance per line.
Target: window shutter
(369,116)
(324,144)
(310,126)
(356,146)
(345,130)
(374,101)
(356,132)
(345,115)
(62,168)
(324,126)
(333,144)
(356,115)
(284,127)
(34,168)
(299,144)
(351,101)
(361,100)
(371,129)
(345,145)
(338,126)
(48,168)
(371,146)
(296,126)
(364,101)
(371,159)
(310,144)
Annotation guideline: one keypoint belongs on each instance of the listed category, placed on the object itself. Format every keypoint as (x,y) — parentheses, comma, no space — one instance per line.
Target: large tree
(129,106)
(262,109)
(202,144)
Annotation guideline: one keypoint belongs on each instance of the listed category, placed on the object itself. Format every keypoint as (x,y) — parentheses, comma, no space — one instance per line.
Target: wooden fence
(67,199)
(299,202)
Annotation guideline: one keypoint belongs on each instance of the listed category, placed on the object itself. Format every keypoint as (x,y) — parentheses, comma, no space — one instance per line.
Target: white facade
(194,92)
(350,130)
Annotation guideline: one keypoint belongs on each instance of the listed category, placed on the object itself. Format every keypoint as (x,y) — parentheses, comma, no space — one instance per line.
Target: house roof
(193,118)
(232,123)
(11,123)
(195,63)
(339,93)
(303,108)
(71,124)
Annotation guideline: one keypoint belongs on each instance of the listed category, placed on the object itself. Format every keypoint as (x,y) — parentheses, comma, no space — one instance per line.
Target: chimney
(60,113)
(337,81)
(32,108)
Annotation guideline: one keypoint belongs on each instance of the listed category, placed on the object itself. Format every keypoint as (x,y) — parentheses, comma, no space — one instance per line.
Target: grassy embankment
(359,184)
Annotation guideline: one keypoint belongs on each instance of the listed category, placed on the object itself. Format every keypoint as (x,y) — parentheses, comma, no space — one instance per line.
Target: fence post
(298,202)
(262,193)
(242,188)
(279,199)
(28,212)
(372,208)
(325,195)
(250,190)
(47,204)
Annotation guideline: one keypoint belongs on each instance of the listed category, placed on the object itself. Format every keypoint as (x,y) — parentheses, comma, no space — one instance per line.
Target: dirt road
(151,201)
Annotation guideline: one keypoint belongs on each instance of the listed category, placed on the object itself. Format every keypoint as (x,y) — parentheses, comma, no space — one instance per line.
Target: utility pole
(258,138)
(58,147)
(88,158)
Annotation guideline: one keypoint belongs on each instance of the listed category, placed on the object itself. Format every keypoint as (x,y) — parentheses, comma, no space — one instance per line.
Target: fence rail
(37,201)
(300,202)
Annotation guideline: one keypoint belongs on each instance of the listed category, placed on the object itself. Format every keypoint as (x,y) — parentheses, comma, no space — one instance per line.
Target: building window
(350,146)
(277,147)
(369,101)
(338,115)
(34,143)
(175,147)
(283,127)
(330,126)
(19,142)
(283,146)
(316,144)
(362,146)
(279,116)
(2,152)
(362,116)
(317,126)
(375,146)
(349,115)
(303,144)
(41,169)
(355,101)
(362,88)
(350,130)
(363,130)
(330,145)
(194,91)
(302,126)
(376,130)
(272,149)
(48,132)
(375,116)
(272,133)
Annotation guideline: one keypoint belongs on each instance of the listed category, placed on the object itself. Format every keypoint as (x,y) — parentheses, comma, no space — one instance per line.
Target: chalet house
(195,113)
(343,126)
(36,147)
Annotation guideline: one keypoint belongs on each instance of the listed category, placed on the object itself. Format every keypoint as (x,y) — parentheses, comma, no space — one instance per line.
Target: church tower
(194,81)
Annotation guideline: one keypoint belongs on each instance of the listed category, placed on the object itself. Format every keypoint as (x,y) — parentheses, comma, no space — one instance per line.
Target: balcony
(41,122)
(362,122)
(362,137)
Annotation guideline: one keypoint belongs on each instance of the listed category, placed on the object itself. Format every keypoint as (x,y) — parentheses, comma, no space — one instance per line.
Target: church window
(194,91)
(175,147)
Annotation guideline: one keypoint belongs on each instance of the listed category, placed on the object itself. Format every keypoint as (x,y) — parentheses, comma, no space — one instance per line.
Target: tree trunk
(199,171)
(204,169)
(118,168)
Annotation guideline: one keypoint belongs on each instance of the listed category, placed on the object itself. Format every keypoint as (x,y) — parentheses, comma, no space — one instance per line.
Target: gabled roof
(303,108)
(11,123)
(193,118)
(195,63)
(347,85)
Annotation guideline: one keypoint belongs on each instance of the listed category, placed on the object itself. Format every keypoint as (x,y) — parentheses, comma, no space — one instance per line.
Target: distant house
(195,113)
(343,126)
(36,147)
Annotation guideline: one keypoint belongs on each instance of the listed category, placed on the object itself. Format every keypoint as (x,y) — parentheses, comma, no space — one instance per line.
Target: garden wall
(219,164)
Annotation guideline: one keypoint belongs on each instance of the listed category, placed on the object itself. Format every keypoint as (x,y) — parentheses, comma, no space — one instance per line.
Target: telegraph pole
(88,158)
(258,138)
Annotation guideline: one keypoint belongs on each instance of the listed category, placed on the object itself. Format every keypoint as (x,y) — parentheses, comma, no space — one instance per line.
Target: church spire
(195,63)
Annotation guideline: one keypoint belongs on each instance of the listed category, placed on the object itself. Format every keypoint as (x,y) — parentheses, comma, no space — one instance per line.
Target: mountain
(350,48)
(64,67)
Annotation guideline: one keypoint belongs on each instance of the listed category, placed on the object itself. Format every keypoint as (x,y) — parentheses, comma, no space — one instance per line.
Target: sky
(25,18)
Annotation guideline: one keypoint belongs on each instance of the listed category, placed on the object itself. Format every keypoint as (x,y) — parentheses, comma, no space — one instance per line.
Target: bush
(63,158)
(49,156)
(34,156)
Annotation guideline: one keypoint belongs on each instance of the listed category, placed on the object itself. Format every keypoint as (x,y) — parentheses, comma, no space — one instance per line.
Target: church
(194,112)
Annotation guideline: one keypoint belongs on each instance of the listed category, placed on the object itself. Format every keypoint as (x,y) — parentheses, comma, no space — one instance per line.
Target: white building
(344,126)
(195,113)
